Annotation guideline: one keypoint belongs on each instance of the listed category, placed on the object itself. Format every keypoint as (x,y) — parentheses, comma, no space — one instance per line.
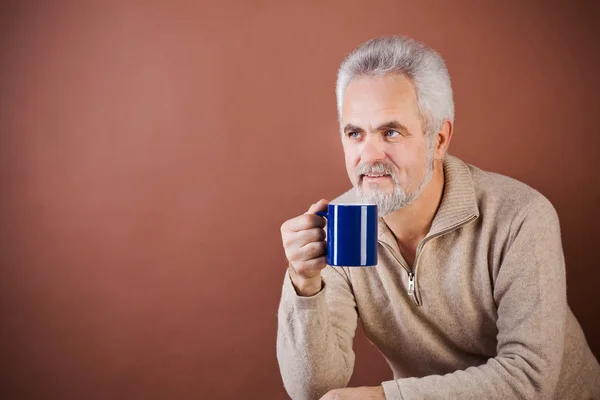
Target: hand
(356,393)
(305,247)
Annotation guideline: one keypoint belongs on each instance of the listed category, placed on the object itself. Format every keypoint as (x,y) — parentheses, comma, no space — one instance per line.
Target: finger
(316,264)
(303,222)
(320,205)
(311,235)
(313,250)
(306,253)
(299,239)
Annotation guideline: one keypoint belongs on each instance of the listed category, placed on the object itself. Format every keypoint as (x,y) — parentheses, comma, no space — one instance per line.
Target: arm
(530,293)
(314,337)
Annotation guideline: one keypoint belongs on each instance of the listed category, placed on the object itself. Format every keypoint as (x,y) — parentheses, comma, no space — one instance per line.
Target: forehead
(373,100)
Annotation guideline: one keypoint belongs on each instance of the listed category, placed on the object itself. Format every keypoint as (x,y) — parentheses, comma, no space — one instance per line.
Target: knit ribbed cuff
(302,302)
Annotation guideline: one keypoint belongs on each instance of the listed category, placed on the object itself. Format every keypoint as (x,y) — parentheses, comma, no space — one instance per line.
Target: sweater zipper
(411,284)
(412,274)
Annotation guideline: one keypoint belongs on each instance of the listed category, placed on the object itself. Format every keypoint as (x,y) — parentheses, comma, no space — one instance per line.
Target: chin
(376,190)
(371,195)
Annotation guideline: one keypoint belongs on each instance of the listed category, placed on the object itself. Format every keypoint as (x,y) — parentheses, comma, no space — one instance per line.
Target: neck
(411,223)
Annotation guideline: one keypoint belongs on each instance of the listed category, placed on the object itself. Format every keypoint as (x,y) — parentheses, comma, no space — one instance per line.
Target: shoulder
(507,198)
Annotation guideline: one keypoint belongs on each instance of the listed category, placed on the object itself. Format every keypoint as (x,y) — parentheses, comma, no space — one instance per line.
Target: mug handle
(325,215)
(322,214)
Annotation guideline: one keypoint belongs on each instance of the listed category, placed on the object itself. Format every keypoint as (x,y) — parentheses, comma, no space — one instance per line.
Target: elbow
(305,379)
(531,377)
(311,387)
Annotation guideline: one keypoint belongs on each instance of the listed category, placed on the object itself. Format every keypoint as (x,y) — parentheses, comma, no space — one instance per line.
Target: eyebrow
(390,125)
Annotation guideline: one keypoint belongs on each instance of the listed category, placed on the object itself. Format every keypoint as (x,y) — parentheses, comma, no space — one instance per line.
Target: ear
(442,140)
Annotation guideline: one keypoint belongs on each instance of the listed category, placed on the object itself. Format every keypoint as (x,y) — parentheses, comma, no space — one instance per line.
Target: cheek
(350,151)
(350,165)
(403,165)
(407,159)
(398,160)
(352,159)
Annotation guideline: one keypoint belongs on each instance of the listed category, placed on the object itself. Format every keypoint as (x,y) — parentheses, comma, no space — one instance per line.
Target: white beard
(388,203)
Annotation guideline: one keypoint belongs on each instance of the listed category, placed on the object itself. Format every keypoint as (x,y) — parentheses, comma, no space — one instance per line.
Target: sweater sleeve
(314,337)
(530,294)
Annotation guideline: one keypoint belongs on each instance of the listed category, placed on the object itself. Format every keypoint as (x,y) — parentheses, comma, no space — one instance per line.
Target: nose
(373,150)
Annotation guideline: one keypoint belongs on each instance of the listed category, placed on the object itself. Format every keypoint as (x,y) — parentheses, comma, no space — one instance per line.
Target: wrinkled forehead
(371,101)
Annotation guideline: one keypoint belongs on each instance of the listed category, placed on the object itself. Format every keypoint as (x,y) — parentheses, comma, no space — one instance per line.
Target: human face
(388,156)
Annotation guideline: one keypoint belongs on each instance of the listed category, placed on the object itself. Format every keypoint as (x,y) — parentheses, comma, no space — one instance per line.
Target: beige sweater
(487,319)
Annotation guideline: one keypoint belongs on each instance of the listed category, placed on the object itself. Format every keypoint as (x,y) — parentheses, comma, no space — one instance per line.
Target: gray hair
(419,63)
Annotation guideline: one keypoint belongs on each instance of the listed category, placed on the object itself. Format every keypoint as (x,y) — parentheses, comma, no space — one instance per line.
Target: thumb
(320,205)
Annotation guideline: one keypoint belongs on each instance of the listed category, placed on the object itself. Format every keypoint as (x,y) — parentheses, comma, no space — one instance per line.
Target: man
(468,299)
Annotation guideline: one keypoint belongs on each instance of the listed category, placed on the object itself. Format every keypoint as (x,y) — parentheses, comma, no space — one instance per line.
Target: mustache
(375,168)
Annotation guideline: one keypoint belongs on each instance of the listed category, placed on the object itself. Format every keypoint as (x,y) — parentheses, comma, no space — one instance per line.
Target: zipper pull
(411,284)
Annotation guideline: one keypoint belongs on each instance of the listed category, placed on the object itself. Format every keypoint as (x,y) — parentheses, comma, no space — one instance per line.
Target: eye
(353,135)
(392,133)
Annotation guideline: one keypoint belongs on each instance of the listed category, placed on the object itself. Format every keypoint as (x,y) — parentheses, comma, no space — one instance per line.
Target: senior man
(468,299)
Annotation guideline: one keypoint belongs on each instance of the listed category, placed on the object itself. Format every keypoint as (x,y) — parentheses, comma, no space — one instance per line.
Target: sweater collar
(459,203)
(457,206)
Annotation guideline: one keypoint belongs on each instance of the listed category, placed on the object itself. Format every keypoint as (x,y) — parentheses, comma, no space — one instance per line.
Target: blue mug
(351,234)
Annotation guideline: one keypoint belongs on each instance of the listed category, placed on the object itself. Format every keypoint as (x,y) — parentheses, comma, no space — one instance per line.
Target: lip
(375,177)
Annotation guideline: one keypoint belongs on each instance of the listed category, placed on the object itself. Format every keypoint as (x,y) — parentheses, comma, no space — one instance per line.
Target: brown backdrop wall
(149,154)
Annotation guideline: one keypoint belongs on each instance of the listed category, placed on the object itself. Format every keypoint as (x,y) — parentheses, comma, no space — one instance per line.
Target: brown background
(149,154)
